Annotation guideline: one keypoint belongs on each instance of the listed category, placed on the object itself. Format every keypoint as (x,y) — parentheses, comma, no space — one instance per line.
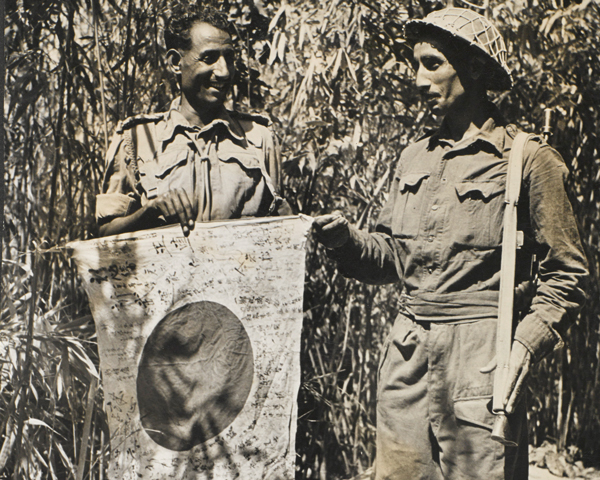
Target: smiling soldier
(197,161)
(440,234)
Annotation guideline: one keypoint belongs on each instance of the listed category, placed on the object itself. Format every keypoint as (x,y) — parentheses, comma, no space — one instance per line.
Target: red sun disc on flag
(194,376)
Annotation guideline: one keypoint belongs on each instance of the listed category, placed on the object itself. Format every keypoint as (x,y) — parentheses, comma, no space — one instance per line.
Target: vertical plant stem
(249,70)
(562,441)
(101,463)
(95,8)
(25,375)
(85,437)
(9,440)
(59,128)
(127,55)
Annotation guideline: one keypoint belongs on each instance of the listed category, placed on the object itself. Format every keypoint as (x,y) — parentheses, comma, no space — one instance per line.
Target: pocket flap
(482,189)
(475,411)
(247,159)
(169,161)
(412,180)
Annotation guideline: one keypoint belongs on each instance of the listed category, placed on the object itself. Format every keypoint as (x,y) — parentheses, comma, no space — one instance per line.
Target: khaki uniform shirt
(228,168)
(440,233)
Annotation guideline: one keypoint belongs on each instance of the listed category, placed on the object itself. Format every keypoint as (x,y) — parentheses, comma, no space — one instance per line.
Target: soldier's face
(208,67)
(438,80)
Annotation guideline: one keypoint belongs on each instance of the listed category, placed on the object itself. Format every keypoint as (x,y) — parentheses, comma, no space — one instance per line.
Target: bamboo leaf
(337,64)
(275,20)
(273,48)
(281,47)
(65,458)
(349,65)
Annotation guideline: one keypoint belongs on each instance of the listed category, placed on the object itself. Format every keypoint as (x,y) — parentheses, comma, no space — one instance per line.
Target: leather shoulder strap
(507,267)
(515,168)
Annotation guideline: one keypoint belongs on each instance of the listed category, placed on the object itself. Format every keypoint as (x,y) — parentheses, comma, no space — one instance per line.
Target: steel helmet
(470,29)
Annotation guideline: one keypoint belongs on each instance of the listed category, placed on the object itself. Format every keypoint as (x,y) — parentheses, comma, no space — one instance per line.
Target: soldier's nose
(422,80)
(222,70)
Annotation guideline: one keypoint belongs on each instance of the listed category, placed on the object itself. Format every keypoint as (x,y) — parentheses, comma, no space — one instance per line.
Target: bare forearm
(141,219)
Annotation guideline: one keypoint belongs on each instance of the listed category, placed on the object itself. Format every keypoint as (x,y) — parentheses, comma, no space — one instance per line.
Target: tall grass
(339,90)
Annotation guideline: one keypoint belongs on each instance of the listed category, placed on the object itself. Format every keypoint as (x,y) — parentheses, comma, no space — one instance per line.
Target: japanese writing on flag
(199,341)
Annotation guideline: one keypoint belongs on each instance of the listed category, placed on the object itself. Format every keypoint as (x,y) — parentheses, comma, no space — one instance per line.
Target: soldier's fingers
(511,381)
(181,211)
(324,220)
(336,223)
(490,367)
(165,204)
(518,370)
(515,393)
(187,207)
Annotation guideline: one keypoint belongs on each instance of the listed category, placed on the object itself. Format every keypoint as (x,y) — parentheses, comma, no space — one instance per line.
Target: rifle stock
(502,431)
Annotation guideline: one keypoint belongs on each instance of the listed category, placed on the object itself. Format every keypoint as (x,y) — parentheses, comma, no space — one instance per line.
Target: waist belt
(450,307)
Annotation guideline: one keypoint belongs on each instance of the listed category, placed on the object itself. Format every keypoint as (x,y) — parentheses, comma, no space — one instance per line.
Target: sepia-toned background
(337,83)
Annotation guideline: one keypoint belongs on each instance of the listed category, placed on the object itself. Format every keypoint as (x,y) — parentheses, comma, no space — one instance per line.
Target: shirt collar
(492,132)
(175,120)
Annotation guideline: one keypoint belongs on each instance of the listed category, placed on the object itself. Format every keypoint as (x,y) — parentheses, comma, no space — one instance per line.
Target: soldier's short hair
(182,15)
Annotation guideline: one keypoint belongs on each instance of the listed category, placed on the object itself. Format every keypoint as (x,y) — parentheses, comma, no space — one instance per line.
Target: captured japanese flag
(199,341)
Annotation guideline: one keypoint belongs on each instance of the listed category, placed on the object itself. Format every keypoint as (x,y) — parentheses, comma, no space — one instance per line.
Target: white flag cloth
(199,342)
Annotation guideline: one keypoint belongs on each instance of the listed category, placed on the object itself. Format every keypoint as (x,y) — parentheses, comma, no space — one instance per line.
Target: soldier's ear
(174,61)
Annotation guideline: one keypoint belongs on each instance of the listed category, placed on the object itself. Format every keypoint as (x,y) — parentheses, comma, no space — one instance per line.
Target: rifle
(511,240)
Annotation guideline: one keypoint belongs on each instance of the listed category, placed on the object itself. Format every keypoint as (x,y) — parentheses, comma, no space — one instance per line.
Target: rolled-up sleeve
(563,271)
(119,197)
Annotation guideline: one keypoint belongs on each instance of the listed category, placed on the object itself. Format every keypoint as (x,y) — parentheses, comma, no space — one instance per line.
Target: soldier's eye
(430,63)
(210,57)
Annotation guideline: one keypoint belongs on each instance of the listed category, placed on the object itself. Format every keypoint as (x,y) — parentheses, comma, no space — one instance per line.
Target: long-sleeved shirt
(228,168)
(440,233)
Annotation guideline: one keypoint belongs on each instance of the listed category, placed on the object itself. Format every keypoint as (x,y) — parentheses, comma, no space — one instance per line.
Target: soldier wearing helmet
(440,235)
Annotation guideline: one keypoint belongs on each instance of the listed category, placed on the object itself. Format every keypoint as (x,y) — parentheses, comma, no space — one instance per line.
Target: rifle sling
(507,267)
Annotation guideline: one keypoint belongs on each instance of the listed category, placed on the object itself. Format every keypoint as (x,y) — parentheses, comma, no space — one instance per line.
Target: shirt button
(430,270)
(444,180)
(435,207)
(430,238)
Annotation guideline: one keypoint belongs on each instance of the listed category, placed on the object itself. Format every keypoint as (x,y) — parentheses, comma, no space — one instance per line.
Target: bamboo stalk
(101,463)
(85,437)
(127,58)
(9,441)
(95,6)
(59,128)
(25,375)
(562,439)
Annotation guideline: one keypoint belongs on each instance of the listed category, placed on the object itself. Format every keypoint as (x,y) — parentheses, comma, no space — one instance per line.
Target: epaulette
(137,120)
(254,117)
(513,130)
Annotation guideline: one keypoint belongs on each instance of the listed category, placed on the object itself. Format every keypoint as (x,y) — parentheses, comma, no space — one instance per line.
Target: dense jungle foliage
(337,83)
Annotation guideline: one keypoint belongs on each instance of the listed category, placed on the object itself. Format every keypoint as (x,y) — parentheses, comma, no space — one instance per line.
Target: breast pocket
(409,204)
(479,211)
(175,170)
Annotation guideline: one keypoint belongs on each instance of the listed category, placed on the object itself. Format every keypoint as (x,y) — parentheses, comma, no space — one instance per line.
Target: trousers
(434,417)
